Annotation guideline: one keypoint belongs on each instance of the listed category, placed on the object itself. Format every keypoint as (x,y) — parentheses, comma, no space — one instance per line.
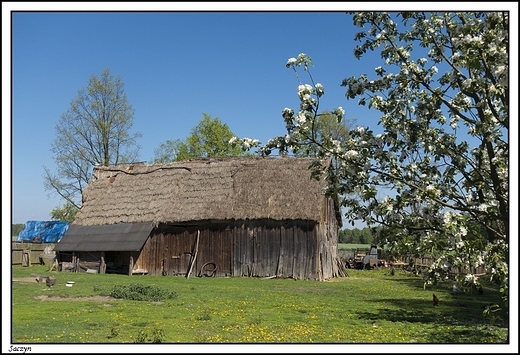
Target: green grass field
(370,306)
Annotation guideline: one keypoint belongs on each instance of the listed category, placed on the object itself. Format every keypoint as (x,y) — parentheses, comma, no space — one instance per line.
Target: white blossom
(351,154)
(232,140)
(304,89)
(360,129)
(454,122)
(470,278)
(319,88)
(434,179)
(301,118)
(288,111)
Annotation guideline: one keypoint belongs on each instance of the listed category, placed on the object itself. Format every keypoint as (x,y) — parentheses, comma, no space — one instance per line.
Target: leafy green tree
(326,126)
(351,236)
(210,138)
(170,151)
(66,212)
(436,177)
(94,130)
(341,236)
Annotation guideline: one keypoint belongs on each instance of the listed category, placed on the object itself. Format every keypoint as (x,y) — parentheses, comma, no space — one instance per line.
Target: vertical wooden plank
(281,252)
(262,250)
(162,250)
(174,264)
(236,260)
(247,249)
(227,250)
(303,258)
(256,252)
(26,258)
(285,247)
(313,250)
(194,255)
(231,246)
(319,251)
(294,252)
(268,243)
(249,240)
(102,265)
(274,248)
(184,248)
(273,239)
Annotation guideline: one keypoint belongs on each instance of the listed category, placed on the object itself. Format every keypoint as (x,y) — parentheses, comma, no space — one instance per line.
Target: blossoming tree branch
(436,177)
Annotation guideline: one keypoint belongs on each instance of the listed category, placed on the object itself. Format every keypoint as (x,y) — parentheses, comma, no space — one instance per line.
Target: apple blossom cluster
(436,176)
(245,143)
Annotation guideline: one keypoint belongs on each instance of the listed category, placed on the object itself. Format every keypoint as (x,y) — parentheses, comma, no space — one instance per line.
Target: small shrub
(141,337)
(139,292)
(156,337)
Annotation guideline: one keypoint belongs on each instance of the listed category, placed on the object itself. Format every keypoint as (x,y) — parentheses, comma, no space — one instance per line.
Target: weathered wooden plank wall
(298,249)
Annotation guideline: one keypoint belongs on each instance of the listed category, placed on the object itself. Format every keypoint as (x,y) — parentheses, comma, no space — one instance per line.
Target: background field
(370,306)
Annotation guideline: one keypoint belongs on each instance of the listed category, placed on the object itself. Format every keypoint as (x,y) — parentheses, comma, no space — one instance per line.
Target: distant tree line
(356,236)
(16,229)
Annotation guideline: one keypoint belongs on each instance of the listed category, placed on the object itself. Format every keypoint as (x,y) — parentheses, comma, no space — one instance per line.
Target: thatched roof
(203,189)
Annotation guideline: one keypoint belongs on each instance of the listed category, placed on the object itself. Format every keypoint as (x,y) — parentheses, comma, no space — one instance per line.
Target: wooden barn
(224,217)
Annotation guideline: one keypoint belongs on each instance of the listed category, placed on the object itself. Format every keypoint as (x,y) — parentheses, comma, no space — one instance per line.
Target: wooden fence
(27,254)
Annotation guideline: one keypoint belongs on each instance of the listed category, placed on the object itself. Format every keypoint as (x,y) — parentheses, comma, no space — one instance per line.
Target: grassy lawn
(370,306)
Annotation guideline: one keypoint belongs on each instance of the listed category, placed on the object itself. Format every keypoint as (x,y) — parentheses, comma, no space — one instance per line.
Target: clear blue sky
(175,66)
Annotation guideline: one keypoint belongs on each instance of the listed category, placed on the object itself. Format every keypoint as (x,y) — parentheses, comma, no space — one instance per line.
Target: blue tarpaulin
(43,231)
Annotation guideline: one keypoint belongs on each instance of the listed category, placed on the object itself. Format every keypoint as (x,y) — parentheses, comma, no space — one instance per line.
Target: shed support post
(102,265)
(131,266)
(26,259)
(194,255)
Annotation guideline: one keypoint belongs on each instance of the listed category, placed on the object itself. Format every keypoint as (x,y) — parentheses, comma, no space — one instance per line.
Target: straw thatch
(203,189)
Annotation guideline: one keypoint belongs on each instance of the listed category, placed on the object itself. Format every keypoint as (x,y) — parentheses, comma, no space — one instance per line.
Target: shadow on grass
(443,324)
(457,319)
